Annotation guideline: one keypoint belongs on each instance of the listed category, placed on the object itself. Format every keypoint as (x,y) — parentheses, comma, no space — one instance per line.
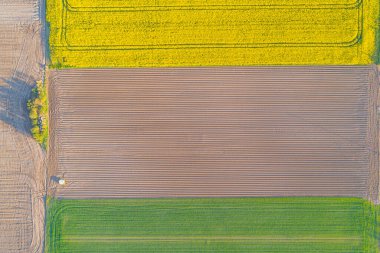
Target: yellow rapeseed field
(149,33)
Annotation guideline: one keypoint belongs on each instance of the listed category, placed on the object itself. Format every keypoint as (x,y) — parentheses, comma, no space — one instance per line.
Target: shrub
(38,113)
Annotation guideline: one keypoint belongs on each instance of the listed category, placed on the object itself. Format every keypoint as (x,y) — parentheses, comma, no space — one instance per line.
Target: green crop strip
(212,225)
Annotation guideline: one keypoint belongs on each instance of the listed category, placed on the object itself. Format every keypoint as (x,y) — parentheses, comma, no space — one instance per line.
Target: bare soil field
(22,164)
(181,132)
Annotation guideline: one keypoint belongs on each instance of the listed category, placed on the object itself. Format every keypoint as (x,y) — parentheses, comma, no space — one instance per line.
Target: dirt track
(22,165)
(215,132)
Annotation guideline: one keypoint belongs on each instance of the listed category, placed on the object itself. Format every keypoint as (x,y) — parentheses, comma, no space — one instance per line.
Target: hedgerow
(38,113)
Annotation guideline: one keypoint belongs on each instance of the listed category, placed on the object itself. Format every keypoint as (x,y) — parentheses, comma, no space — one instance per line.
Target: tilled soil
(181,132)
(22,162)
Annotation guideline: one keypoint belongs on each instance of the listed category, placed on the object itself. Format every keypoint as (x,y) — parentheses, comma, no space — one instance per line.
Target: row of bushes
(38,113)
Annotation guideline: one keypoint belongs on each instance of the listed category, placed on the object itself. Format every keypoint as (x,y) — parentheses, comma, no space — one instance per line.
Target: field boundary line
(65,43)
(354,4)
(209,238)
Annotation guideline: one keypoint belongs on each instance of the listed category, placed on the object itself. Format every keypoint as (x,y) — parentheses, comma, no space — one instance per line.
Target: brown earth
(181,132)
(22,164)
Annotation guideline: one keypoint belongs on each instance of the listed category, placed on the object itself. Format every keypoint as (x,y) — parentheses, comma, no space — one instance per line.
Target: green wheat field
(323,225)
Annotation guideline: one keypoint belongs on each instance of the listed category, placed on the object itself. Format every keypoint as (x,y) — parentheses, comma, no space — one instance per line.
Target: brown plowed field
(263,131)
(22,164)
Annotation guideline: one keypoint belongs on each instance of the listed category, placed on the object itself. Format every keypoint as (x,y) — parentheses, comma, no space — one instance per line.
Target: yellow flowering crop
(149,33)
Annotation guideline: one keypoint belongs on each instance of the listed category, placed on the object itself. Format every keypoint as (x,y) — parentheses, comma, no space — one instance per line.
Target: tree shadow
(13,102)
